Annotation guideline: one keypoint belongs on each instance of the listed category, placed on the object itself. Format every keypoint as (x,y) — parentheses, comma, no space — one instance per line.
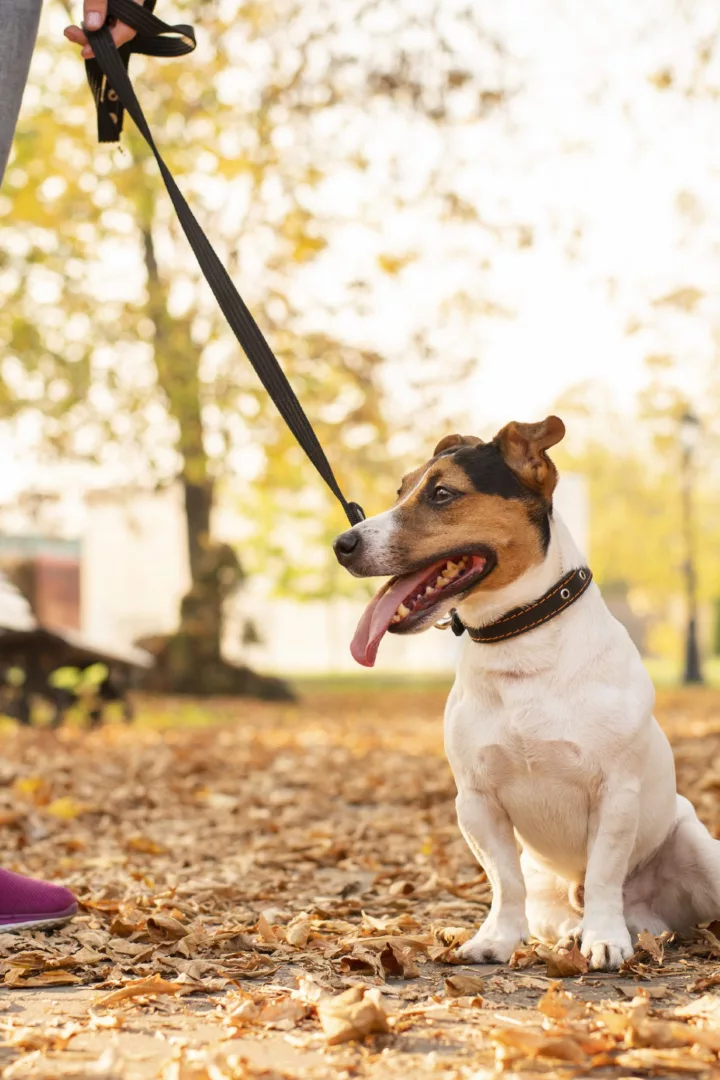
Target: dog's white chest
(525,758)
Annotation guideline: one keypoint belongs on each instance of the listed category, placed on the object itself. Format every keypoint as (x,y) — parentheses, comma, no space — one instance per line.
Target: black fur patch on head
(489,474)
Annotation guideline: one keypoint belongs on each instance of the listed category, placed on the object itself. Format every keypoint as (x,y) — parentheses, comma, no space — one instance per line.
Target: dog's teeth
(395,618)
(441,582)
(402,611)
(451,571)
(430,589)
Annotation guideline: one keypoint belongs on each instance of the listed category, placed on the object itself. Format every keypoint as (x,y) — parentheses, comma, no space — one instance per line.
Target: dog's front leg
(603,933)
(490,836)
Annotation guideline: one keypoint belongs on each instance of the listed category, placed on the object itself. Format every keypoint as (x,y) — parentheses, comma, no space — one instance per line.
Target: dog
(566,789)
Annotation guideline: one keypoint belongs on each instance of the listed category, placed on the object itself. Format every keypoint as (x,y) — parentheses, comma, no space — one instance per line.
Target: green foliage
(632,465)
(111,344)
(83,682)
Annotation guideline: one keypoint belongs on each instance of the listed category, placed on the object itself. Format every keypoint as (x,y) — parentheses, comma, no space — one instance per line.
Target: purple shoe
(28,904)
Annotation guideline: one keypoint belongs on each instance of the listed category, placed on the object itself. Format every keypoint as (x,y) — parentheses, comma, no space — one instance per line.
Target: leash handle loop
(113,92)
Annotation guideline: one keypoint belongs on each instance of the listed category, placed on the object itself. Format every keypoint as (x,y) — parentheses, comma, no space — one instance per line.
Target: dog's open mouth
(406,603)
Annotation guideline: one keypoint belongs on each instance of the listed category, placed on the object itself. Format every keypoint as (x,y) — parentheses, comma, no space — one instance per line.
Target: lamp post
(689,438)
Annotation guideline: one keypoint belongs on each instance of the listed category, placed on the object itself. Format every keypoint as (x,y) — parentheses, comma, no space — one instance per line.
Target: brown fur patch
(425,532)
(523,447)
(456,440)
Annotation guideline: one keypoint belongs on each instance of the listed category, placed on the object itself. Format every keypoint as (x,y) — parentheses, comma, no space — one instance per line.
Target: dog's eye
(442,494)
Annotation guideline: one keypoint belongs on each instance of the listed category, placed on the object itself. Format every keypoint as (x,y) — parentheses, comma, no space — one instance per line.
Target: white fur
(552,741)
(378,531)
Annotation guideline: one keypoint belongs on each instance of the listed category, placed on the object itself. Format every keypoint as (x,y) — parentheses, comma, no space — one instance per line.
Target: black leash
(113,93)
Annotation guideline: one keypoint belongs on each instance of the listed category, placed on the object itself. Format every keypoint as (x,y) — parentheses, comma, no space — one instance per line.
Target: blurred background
(444,217)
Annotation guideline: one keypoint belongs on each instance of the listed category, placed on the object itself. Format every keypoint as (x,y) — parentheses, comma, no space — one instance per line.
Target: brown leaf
(128,948)
(266,932)
(710,944)
(144,845)
(84,955)
(283,1015)
(707,1007)
(125,926)
(649,944)
(563,963)
(655,991)
(559,1004)
(165,928)
(534,1044)
(352,1015)
(397,962)
(502,985)
(29,1039)
(524,957)
(15,977)
(362,961)
(298,932)
(152,987)
(31,960)
(464,985)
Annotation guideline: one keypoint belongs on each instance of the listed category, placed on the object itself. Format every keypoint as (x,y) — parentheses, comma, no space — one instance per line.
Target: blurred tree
(632,465)
(113,349)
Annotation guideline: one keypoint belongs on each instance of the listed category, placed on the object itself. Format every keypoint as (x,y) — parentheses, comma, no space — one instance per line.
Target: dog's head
(476,516)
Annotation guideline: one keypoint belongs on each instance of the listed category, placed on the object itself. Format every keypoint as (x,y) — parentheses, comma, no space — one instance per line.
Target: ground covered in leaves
(277,891)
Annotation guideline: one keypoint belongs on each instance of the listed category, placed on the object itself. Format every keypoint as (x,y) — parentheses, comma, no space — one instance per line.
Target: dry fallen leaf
(651,945)
(352,1015)
(16,977)
(151,987)
(535,1044)
(266,932)
(563,963)
(261,851)
(464,985)
(282,1015)
(560,1005)
(165,928)
(298,931)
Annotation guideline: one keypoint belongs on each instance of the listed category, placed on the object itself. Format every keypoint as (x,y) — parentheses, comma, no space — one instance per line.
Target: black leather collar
(518,621)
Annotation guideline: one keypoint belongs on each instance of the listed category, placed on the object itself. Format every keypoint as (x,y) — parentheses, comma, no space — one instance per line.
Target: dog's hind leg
(550,913)
(680,885)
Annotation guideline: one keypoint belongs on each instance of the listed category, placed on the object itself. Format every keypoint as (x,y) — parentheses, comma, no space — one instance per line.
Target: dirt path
(238,878)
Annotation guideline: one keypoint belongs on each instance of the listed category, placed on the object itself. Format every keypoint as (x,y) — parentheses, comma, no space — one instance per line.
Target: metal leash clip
(453,621)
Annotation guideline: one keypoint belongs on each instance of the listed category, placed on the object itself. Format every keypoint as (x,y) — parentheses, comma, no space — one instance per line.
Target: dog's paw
(491,945)
(604,946)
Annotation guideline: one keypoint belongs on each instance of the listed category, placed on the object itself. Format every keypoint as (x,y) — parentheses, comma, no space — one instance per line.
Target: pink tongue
(378,615)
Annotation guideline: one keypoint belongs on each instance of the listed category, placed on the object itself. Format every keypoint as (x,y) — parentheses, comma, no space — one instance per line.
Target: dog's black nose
(346,545)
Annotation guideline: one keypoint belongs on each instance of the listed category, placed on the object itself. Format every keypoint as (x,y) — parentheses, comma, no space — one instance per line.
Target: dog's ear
(456,440)
(523,446)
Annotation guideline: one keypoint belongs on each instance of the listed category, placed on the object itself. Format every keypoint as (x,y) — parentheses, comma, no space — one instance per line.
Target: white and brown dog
(549,726)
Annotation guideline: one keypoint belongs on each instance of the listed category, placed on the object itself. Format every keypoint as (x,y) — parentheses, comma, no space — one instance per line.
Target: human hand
(94,15)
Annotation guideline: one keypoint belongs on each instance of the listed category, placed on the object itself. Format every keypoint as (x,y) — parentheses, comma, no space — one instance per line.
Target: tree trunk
(190,661)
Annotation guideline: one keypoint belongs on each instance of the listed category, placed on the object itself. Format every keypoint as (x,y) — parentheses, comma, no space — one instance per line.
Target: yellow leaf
(66,808)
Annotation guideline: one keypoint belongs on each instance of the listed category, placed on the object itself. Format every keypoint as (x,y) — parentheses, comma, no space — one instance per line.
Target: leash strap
(113,93)
(518,621)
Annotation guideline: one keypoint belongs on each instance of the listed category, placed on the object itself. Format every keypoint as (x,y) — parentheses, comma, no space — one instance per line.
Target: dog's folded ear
(523,447)
(456,440)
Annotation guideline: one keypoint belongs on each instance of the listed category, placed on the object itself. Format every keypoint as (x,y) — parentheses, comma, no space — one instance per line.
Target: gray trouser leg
(18,30)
